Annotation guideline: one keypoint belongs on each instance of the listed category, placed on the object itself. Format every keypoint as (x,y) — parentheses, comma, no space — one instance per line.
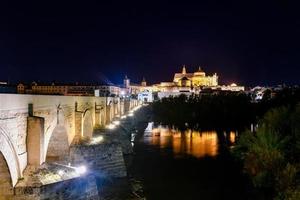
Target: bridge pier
(102,117)
(78,125)
(122,107)
(35,140)
(126,105)
(98,113)
(32,138)
(6,188)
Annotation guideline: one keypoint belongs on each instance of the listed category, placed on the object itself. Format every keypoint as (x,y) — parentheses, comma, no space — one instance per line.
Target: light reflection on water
(190,142)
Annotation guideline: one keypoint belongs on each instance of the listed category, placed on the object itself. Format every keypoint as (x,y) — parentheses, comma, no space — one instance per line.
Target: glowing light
(81,170)
(111,126)
(96,140)
(232,137)
(117,122)
(123,117)
(60,172)
(233,85)
(132,137)
(194,143)
(130,114)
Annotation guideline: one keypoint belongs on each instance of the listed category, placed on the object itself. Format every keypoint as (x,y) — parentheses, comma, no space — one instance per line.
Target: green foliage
(242,146)
(271,155)
(295,132)
(278,120)
(286,183)
(262,156)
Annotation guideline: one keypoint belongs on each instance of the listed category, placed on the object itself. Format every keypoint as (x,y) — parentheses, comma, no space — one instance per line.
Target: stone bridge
(38,128)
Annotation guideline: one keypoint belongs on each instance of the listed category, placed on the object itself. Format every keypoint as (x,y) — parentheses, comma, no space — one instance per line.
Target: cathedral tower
(183,70)
(126,82)
(144,83)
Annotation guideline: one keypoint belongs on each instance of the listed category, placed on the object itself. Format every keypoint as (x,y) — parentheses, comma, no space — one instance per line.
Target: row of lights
(82,169)
(115,123)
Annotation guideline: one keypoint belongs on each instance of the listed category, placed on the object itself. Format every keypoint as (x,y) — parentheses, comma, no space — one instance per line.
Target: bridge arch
(109,112)
(57,144)
(88,125)
(6,187)
(9,162)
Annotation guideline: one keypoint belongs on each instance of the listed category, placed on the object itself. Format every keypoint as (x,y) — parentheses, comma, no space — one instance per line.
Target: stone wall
(6,189)
(104,159)
(58,147)
(81,188)
(13,122)
(32,125)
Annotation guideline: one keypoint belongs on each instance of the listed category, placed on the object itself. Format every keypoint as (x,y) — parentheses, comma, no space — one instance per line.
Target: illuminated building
(187,82)
(68,89)
(135,89)
(145,96)
(35,88)
(183,83)
(196,79)
(232,87)
(107,90)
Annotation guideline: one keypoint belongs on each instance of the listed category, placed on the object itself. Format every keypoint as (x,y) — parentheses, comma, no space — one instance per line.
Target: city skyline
(251,44)
(145,100)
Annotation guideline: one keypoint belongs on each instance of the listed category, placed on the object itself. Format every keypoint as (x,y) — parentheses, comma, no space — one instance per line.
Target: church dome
(199,72)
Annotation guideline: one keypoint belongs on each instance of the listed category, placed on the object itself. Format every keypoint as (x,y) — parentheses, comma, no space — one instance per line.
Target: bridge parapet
(35,128)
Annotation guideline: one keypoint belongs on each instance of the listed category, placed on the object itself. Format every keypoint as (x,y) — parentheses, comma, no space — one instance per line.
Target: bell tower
(126,82)
(183,70)
(144,83)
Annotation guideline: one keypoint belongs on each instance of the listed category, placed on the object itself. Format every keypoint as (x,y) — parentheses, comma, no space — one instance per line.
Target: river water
(188,165)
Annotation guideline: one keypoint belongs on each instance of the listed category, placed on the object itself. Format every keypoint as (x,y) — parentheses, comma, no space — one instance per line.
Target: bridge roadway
(37,129)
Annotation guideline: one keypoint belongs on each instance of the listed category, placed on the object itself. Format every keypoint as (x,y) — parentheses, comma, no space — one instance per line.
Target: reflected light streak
(195,143)
(232,137)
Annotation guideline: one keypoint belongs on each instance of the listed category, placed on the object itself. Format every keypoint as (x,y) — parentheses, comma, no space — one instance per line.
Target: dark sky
(247,42)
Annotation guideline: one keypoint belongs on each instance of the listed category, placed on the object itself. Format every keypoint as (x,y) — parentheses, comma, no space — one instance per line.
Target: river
(188,165)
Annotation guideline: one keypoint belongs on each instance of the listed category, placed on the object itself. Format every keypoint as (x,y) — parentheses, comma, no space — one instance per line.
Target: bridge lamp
(81,170)
(60,172)
(111,126)
(96,140)
(117,122)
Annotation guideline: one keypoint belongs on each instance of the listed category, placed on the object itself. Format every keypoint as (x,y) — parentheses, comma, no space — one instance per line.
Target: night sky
(248,43)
